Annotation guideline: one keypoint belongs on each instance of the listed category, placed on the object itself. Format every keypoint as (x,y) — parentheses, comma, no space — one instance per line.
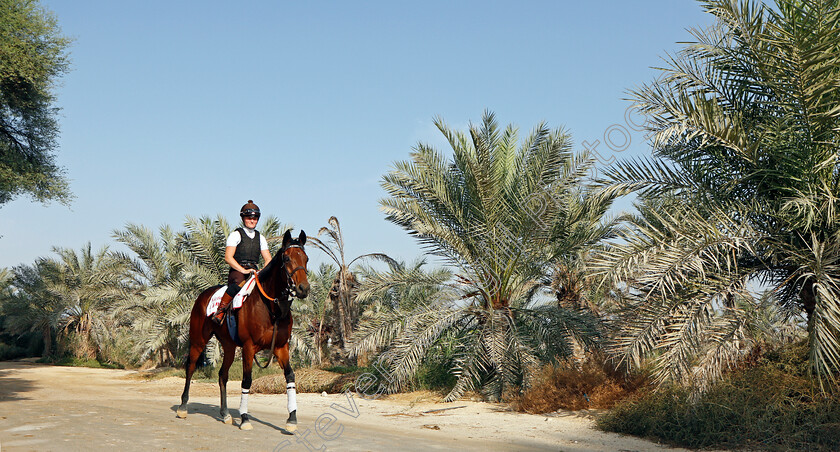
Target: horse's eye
(286,259)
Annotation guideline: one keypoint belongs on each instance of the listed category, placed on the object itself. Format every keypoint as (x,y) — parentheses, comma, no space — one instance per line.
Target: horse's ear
(302,238)
(287,238)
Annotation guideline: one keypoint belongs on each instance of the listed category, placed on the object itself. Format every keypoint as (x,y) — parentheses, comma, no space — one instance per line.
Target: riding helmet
(249,210)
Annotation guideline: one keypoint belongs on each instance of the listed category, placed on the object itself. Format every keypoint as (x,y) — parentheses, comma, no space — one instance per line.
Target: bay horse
(264,321)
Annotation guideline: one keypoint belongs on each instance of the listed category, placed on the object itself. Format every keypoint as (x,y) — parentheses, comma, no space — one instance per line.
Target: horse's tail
(197,318)
(202,360)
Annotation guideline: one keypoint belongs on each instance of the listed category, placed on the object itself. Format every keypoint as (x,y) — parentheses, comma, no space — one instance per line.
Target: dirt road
(46,408)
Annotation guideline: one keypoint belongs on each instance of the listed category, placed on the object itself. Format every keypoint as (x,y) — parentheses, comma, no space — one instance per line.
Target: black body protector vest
(248,251)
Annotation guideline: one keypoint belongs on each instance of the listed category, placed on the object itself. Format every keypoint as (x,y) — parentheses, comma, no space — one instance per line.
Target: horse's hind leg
(200,333)
(230,352)
(192,360)
(282,355)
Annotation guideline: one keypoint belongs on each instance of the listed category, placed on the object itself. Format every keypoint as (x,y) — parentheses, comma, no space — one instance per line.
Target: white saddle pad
(216,299)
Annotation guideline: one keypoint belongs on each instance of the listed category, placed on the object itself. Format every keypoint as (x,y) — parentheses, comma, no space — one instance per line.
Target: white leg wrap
(243,402)
(291,395)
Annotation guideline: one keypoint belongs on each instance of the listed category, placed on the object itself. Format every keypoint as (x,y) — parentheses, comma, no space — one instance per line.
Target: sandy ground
(69,408)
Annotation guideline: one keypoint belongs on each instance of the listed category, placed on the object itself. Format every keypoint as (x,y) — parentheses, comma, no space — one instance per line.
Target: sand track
(47,408)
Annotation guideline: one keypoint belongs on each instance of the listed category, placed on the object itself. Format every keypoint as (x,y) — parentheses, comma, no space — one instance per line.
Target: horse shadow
(212,411)
(269,424)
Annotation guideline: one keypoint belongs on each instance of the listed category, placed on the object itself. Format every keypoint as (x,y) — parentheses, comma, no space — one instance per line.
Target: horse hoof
(245,426)
(291,428)
(181,414)
(228,419)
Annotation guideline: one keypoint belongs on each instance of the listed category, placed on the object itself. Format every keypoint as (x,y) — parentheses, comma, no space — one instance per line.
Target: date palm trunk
(47,335)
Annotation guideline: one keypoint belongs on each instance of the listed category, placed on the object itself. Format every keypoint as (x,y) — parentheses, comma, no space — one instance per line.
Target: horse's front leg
(282,355)
(230,352)
(248,352)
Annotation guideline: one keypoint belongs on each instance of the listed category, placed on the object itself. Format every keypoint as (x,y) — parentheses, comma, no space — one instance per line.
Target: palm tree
(312,331)
(88,286)
(5,278)
(26,306)
(346,283)
(402,287)
(743,188)
(151,270)
(501,213)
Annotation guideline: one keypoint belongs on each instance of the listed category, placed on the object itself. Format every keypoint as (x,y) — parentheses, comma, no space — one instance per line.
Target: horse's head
(294,261)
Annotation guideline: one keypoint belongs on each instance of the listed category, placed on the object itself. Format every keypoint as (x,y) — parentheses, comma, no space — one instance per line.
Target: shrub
(11,351)
(435,374)
(571,386)
(773,405)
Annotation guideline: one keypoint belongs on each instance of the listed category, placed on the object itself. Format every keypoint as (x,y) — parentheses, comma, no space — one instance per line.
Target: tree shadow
(11,387)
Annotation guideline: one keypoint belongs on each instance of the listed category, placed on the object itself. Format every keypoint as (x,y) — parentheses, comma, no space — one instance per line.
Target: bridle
(290,291)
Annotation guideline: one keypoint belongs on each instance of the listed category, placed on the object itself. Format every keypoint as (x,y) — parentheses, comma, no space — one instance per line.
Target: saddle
(247,287)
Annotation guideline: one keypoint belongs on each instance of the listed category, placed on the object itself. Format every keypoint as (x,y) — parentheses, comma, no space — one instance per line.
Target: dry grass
(414,397)
(578,386)
(771,404)
(306,380)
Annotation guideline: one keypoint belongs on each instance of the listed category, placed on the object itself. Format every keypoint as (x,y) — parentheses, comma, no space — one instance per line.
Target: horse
(264,320)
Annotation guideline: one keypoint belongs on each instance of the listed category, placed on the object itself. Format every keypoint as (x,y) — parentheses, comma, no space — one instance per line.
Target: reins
(259,286)
(274,327)
(273,339)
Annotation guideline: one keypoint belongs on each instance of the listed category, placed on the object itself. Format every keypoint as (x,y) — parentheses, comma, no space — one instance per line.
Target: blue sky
(192,108)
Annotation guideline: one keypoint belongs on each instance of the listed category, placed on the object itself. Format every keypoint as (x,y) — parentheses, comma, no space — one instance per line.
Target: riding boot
(220,313)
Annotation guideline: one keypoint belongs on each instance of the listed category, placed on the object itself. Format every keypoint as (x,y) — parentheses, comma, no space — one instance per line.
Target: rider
(242,252)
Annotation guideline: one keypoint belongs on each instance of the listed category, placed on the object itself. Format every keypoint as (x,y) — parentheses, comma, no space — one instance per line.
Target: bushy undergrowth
(592,383)
(770,405)
(435,374)
(25,345)
(11,352)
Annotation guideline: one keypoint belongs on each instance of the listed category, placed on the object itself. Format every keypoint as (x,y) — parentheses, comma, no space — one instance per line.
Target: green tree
(88,285)
(147,308)
(32,57)
(26,305)
(501,213)
(743,187)
(403,286)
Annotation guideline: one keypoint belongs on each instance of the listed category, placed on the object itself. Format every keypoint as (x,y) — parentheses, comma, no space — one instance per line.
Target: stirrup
(218,318)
